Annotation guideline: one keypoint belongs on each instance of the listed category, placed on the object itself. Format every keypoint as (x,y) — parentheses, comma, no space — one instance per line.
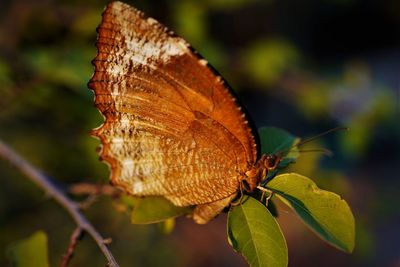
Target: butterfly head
(270,161)
(259,171)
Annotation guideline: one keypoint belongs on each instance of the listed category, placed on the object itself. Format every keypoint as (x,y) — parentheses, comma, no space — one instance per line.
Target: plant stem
(69,205)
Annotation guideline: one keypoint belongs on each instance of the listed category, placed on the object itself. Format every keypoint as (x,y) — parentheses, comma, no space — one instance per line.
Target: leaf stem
(59,196)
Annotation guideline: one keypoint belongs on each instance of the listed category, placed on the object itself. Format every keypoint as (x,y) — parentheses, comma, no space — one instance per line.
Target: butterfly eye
(271,161)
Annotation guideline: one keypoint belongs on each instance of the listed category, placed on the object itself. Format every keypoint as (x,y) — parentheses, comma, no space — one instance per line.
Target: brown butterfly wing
(171,127)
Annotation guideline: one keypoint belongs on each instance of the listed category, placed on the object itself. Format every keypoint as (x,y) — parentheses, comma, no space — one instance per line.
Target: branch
(70,206)
(73,242)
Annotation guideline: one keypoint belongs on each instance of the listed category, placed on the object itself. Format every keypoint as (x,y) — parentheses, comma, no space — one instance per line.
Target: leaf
(253,232)
(276,141)
(31,251)
(154,209)
(326,213)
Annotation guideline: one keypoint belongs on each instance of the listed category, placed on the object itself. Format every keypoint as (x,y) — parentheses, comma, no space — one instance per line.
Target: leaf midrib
(257,257)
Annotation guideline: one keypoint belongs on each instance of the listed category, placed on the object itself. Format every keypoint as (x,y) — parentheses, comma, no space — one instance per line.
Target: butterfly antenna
(340,128)
(324,151)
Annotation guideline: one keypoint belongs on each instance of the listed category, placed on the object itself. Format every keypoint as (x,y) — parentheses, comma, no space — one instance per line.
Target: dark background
(305,66)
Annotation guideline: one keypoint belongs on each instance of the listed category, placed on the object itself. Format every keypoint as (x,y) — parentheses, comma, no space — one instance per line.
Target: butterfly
(173,127)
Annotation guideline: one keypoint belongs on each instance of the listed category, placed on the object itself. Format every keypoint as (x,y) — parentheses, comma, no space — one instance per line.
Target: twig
(83,205)
(70,206)
(94,189)
(76,234)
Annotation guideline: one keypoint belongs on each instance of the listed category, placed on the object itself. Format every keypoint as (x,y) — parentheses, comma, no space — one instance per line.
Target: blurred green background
(305,66)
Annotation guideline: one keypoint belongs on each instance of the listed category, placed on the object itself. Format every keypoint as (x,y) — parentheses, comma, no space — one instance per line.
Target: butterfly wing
(172,128)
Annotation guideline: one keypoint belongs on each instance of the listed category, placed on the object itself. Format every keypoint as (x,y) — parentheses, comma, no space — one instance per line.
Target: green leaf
(253,232)
(274,140)
(31,251)
(278,141)
(154,209)
(326,213)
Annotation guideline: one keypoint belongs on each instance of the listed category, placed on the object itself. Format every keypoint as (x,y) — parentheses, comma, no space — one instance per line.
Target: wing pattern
(172,128)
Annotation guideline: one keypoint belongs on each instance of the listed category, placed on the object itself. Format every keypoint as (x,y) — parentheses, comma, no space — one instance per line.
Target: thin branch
(83,205)
(73,242)
(70,206)
(94,189)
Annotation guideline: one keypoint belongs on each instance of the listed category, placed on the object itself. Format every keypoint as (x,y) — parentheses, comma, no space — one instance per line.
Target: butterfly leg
(264,191)
(239,201)
(262,196)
